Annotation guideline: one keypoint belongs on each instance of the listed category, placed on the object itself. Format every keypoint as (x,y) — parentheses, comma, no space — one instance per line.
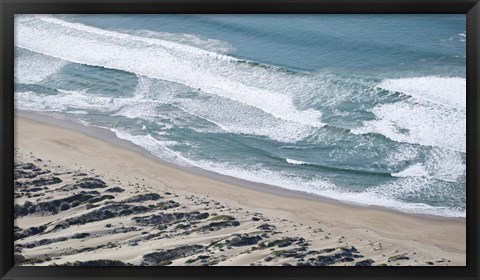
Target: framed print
(203,139)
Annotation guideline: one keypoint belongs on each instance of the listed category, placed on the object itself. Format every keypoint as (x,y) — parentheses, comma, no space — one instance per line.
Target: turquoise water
(366,109)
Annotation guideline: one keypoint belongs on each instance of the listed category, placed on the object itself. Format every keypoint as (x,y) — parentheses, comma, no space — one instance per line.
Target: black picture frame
(471,8)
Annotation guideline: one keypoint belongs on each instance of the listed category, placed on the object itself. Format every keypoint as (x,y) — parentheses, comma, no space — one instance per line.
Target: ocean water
(365,109)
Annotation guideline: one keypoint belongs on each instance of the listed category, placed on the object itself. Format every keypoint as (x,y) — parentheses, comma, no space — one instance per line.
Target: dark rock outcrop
(143,197)
(46,181)
(219,222)
(29,232)
(115,190)
(367,262)
(346,254)
(91,183)
(267,227)
(243,240)
(44,242)
(106,212)
(169,218)
(97,263)
(398,258)
(164,257)
(57,205)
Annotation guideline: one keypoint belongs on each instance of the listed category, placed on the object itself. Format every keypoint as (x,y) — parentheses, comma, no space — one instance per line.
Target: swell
(209,72)
(448,91)
(434,114)
(336,169)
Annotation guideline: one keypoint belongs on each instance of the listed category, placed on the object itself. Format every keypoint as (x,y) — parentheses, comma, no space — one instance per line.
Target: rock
(169,218)
(57,205)
(284,242)
(101,198)
(80,235)
(398,257)
(97,263)
(106,212)
(167,205)
(91,183)
(162,257)
(267,227)
(219,222)
(343,254)
(64,206)
(244,240)
(182,226)
(29,232)
(22,174)
(367,262)
(143,197)
(44,242)
(27,166)
(46,181)
(115,190)
(222,218)
(201,258)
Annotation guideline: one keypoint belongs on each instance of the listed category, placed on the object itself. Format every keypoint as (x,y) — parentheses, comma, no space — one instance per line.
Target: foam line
(384,196)
(33,68)
(450,91)
(423,123)
(212,73)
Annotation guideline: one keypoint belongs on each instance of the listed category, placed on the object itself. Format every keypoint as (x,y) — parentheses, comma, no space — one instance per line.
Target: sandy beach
(117,204)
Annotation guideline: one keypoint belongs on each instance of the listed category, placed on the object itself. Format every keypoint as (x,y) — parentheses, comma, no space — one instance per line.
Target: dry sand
(302,231)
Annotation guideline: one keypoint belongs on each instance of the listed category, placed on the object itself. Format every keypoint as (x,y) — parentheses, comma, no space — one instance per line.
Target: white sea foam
(78,112)
(158,148)
(77,100)
(383,196)
(196,41)
(211,72)
(31,67)
(419,188)
(463,36)
(415,170)
(402,153)
(437,162)
(419,123)
(224,114)
(446,165)
(450,91)
(140,105)
(237,118)
(296,162)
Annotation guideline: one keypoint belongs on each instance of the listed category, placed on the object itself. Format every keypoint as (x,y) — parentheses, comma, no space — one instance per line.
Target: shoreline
(109,136)
(382,237)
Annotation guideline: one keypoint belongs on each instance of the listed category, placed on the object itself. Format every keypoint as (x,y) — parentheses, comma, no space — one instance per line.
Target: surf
(199,69)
